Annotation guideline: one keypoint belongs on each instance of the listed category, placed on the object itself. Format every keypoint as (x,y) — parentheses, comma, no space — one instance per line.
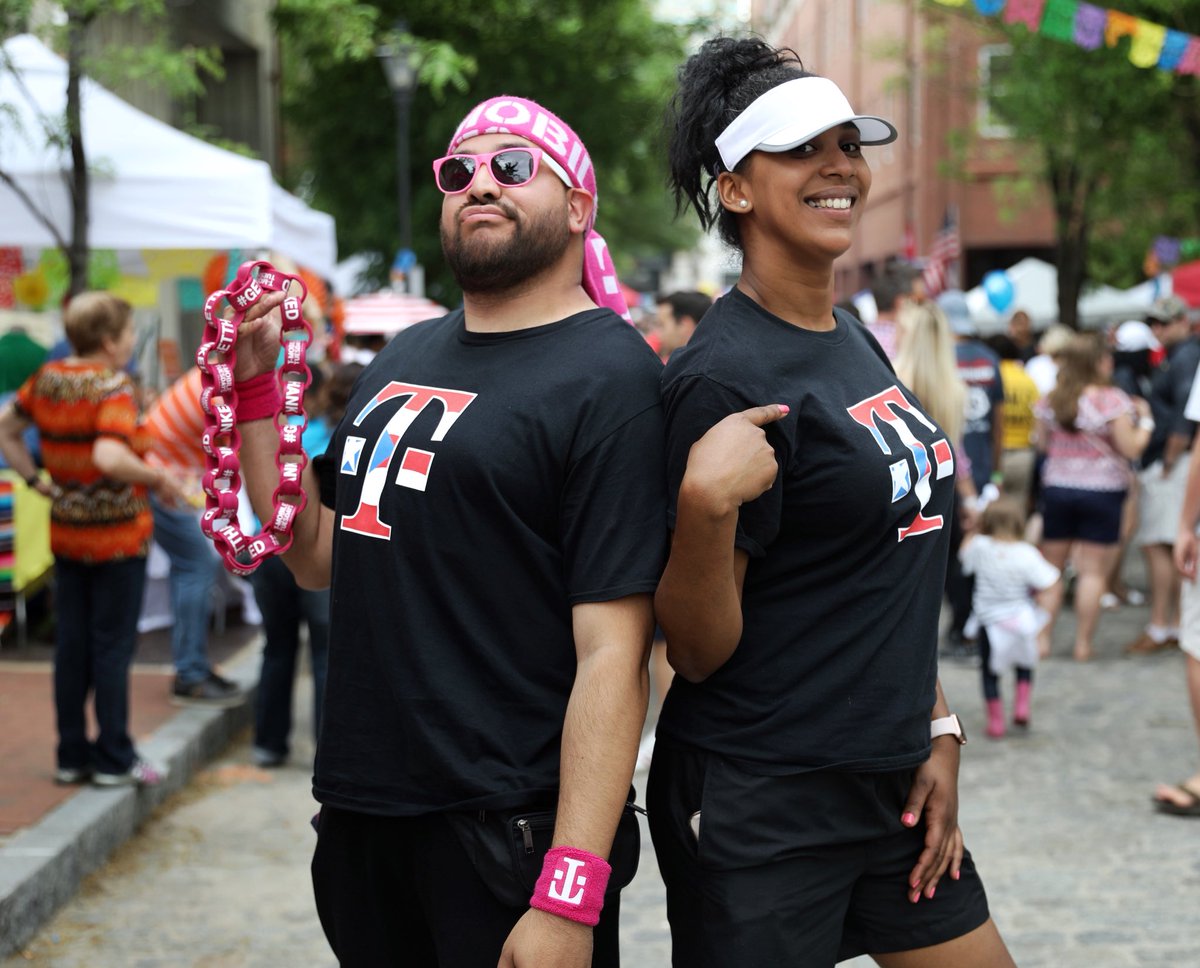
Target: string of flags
(1170,251)
(1091,27)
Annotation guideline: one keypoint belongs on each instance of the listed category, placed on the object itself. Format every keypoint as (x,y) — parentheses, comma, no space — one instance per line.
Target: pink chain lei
(216,358)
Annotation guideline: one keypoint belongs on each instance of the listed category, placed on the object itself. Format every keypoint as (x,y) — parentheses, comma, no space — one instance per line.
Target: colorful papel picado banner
(1091,27)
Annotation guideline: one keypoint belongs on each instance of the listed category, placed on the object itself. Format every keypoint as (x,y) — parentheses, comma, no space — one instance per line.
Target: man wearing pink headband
(491,515)
(533,123)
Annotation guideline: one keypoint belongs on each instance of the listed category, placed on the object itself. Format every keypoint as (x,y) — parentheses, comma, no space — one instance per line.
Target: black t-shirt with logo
(483,485)
(837,664)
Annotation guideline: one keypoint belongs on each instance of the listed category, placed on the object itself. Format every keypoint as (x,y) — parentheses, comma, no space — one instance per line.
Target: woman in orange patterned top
(84,409)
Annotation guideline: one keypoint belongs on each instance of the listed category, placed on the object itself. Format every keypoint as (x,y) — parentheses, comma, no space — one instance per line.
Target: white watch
(948,725)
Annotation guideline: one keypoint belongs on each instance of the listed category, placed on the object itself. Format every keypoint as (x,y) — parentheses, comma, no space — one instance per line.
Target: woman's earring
(743,203)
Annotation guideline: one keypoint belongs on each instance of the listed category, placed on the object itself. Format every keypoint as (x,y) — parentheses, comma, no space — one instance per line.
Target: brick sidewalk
(27,733)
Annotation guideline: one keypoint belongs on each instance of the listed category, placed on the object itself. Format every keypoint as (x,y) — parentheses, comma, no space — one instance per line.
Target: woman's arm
(1131,434)
(114,458)
(12,442)
(699,599)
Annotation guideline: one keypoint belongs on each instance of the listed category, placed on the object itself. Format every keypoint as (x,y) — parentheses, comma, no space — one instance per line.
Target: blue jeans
(96,613)
(284,604)
(195,566)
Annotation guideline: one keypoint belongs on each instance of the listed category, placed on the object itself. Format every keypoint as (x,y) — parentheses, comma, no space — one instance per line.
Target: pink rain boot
(1021,703)
(995,718)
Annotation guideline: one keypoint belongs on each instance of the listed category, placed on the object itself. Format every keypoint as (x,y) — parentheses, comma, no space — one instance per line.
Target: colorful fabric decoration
(1027,12)
(1089,26)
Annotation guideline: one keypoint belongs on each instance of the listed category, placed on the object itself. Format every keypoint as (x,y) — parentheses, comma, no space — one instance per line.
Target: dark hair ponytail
(716,84)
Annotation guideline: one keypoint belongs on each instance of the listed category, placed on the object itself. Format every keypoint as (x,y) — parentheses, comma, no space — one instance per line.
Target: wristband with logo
(258,398)
(572,885)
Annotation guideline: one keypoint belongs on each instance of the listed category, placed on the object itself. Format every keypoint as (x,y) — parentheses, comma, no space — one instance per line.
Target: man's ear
(580,205)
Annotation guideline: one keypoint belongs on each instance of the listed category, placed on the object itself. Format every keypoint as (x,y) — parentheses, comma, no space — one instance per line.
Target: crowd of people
(122,467)
(508,506)
(1082,446)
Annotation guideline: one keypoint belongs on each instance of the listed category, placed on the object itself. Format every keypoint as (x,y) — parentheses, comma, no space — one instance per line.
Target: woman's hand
(45,487)
(733,463)
(934,794)
(168,489)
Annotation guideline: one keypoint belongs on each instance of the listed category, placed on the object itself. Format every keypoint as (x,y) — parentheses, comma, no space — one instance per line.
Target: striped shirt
(74,403)
(175,424)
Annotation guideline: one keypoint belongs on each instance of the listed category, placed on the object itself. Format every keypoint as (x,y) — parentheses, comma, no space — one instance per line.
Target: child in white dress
(1010,577)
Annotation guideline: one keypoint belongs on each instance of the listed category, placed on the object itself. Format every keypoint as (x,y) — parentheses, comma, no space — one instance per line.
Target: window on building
(995,63)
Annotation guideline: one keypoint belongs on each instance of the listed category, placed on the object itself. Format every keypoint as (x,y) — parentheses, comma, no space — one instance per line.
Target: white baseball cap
(793,113)
(1133,335)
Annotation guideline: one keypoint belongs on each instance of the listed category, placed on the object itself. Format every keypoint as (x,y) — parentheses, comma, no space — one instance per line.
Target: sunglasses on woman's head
(509,167)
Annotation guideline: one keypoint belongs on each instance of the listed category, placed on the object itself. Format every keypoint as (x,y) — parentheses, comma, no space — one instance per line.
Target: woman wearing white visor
(803,795)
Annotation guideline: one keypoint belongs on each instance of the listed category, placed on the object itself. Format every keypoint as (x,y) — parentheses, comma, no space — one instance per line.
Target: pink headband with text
(527,119)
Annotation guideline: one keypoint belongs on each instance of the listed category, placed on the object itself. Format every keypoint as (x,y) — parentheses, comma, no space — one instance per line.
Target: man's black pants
(401,892)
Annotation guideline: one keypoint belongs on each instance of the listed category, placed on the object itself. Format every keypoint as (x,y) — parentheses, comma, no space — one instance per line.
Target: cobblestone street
(1080,870)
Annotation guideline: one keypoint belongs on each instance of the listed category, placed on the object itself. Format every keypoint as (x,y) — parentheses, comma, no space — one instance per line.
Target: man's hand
(258,338)
(543,940)
(935,793)
(733,463)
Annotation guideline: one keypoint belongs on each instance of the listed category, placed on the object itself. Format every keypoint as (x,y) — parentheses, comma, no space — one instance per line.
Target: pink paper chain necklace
(222,481)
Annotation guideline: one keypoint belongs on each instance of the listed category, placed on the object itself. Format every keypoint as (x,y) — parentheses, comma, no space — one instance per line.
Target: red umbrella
(388,312)
(1185,282)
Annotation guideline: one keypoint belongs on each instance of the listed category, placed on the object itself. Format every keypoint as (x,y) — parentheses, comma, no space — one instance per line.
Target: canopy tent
(152,186)
(1035,290)
(387,312)
(1186,281)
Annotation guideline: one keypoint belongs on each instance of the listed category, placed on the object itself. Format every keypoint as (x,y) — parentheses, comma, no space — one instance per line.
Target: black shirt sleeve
(325,467)
(1183,372)
(695,404)
(613,521)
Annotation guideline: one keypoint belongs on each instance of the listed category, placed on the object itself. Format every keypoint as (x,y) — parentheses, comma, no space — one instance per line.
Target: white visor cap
(791,114)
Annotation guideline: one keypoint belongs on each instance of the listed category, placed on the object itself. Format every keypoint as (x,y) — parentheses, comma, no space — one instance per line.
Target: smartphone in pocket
(694,823)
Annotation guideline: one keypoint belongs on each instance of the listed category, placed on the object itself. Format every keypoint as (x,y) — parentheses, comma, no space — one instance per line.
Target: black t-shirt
(1170,384)
(483,485)
(837,663)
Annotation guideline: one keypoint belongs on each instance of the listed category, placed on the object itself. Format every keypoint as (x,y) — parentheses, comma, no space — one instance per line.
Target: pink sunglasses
(509,167)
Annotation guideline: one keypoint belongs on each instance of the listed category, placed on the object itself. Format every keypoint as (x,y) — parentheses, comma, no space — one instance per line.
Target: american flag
(944,252)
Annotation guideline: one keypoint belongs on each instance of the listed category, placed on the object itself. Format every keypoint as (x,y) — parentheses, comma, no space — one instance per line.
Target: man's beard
(482,264)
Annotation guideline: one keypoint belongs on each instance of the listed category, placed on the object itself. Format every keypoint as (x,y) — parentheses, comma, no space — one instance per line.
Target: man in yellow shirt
(1020,394)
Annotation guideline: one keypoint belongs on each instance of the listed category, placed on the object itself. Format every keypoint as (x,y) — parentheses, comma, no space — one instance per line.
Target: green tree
(1108,141)
(179,69)
(605,65)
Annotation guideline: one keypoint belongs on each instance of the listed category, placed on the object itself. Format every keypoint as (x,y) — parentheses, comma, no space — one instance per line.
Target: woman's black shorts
(808,869)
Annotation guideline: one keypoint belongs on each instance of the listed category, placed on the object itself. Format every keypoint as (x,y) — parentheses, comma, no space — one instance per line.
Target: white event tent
(152,186)
(1035,290)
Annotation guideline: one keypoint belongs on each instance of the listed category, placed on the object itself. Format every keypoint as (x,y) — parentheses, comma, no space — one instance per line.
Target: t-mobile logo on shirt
(886,408)
(415,463)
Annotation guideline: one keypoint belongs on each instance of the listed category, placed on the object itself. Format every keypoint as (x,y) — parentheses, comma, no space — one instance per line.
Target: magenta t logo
(415,464)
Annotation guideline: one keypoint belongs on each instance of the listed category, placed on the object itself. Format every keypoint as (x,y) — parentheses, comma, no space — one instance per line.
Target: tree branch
(59,238)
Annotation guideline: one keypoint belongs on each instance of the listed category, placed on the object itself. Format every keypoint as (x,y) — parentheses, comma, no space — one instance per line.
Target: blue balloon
(999,289)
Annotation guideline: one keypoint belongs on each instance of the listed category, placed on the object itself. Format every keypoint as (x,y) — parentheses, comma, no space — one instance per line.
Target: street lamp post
(400,66)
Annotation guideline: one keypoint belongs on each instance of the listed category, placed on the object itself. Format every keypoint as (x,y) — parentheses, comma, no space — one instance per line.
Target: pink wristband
(572,885)
(258,398)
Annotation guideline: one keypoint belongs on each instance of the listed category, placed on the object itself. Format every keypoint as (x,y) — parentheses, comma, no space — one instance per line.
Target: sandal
(1180,810)
(1145,645)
